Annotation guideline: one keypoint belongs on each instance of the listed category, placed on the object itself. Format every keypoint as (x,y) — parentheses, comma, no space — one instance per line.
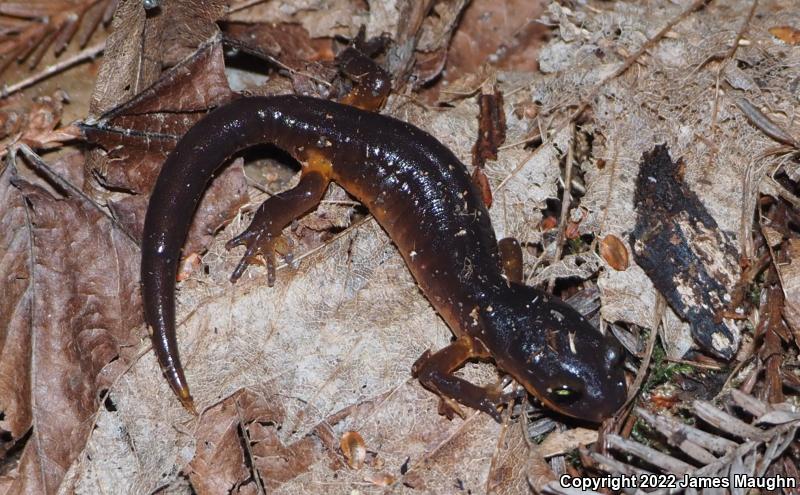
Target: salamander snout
(559,357)
(614,354)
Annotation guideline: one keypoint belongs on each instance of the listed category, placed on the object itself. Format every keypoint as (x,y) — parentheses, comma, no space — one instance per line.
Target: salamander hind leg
(263,237)
(435,372)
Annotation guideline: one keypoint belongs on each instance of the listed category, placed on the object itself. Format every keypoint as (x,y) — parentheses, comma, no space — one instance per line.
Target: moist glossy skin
(423,197)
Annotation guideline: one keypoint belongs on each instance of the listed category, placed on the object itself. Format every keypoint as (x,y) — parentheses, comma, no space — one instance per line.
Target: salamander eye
(564,395)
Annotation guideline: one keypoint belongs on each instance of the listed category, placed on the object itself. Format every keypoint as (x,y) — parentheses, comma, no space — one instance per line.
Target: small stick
(83,55)
(565,203)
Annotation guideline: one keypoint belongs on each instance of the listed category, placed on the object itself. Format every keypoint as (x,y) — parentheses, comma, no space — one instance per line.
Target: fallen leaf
(501,33)
(561,442)
(83,307)
(614,252)
(289,43)
(787,34)
(517,463)
(320,18)
(15,314)
(434,39)
(138,134)
(219,464)
(381,479)
(790,283)
(36,123)
(353,448)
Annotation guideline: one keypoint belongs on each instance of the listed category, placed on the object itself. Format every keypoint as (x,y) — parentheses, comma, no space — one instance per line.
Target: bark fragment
(682,249)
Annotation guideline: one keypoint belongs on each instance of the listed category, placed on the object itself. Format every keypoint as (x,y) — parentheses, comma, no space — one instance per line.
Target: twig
(694,364)
(518,143)
(727,423)
(749,403)
(244,5)
(565,203)
(609,464)
(661,307)
(256,185)
(669,427)
(722,66)
(81,56)
(764,124)
(742,458)
(247,445)
(266,56)
(651,455)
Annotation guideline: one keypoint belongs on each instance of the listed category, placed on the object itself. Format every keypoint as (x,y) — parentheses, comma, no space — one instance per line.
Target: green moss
(575,246)
(755,295)
(573,457)
(642,432)
(662,370)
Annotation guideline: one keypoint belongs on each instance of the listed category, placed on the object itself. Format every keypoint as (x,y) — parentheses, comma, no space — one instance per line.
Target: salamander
(422,196)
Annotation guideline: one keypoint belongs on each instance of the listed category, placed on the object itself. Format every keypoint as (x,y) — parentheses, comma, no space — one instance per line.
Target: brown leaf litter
(74,336)
(138,135)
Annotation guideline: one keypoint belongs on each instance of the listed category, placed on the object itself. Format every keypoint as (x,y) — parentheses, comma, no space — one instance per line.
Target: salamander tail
(186,399)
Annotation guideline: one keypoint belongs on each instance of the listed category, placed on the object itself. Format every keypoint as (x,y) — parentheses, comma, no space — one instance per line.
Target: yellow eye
(564,395)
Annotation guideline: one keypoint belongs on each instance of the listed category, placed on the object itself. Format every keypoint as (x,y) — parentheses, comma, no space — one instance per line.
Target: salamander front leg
(371,84)
(511,256)
(435,372)
(263,237)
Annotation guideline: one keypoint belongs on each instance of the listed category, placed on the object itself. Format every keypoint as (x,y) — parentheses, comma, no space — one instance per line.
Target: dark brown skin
(423,197)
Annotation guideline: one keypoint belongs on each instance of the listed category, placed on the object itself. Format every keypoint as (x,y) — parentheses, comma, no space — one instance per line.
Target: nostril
(614,355)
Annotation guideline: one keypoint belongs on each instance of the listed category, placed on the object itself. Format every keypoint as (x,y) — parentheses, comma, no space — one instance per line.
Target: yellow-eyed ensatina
(422,195)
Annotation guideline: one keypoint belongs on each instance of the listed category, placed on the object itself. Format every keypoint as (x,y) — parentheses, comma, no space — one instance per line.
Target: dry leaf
(353,448)
(434,39)
(290,43)
(320,18)
(561,442)
(787,34)
(381,479)
(15,315)
(516,464)
(219,465)
(83,308)
(790,282)
(36,123)
(501,33)
(614,252)
(139,133)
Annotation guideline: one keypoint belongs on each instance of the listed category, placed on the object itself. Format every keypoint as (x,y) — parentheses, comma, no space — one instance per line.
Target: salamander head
(556,354)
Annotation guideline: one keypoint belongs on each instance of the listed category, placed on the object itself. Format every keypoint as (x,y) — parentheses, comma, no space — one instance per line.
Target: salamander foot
(263,238)
(435,372)
(260,245)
